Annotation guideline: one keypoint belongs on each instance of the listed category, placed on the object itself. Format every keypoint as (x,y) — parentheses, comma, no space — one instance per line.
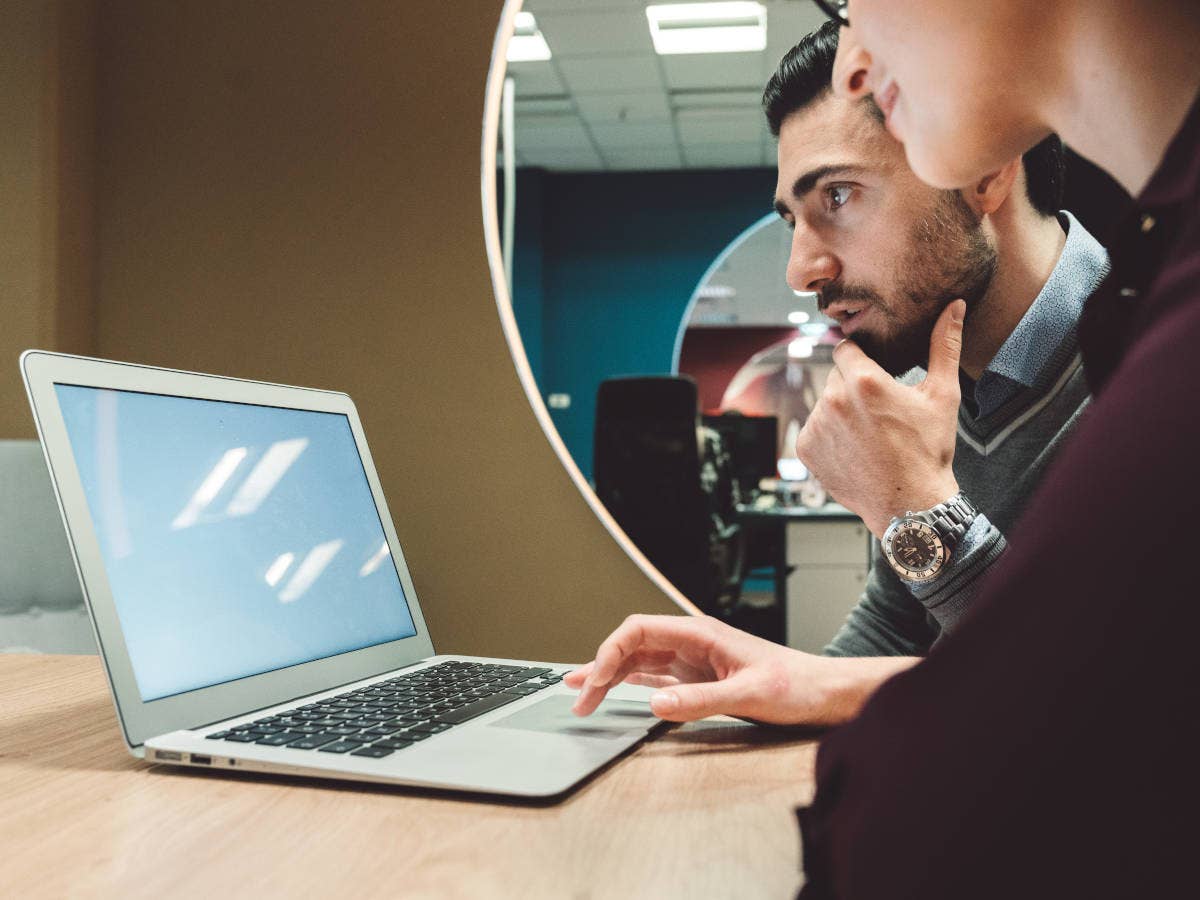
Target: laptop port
(168,754)
(199,760)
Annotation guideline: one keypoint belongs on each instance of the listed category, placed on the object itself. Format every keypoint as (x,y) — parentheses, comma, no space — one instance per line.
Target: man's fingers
(650,662)
(654,681)
(576,678)
(639,633)
(849,360)
(945,346)
(686,702)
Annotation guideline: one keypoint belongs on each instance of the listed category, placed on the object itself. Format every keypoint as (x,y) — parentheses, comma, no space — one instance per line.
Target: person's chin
(936,168)
(893,359)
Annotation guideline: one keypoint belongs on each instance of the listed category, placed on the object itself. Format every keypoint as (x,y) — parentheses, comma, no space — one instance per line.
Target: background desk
(705,810)
(821,567)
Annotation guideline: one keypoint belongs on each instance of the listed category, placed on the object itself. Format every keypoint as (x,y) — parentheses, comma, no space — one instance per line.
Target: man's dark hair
(805,74)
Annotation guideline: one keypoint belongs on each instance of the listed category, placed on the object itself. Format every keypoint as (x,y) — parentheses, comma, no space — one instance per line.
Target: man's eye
(838,196)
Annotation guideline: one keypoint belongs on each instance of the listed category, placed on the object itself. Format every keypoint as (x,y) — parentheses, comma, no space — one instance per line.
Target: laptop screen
(237,539)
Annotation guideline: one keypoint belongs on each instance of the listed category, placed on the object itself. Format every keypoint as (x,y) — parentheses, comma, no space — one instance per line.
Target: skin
(880,447)
(875,444)
(1113,79)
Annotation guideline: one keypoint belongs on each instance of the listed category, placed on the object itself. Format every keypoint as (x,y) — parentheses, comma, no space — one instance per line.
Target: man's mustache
(833,293)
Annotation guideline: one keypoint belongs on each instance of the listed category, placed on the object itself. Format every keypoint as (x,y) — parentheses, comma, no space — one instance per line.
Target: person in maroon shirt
(1047,749)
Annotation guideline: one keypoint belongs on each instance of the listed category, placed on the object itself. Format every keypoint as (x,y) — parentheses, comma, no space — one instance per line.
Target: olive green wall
(290,191)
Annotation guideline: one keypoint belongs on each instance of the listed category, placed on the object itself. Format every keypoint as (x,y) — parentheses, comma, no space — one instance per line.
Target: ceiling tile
(537,7)
(787,22)
(549,131)
(593,33)
(721,156)
(611,74)
(721,126)
(578,159)
(644,159)
(536,79)
(624,107)
(714,70)
(713,98)
(625,135)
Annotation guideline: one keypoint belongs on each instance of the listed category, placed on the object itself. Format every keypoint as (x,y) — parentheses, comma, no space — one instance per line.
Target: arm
(887,620)
(948,596)
(704,667)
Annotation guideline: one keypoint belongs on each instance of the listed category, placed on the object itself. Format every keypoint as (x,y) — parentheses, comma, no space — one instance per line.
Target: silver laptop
(252,604)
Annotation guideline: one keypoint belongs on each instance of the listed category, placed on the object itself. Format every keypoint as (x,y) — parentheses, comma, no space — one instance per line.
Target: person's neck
(1130,72)
(1027,250)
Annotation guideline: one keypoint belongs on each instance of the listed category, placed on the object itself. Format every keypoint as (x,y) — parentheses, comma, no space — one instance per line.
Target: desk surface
(705,810)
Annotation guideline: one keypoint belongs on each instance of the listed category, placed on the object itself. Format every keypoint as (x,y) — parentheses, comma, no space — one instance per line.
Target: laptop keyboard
(378,720)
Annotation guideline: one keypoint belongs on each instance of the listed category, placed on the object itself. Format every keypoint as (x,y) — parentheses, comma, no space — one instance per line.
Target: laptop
(252,604)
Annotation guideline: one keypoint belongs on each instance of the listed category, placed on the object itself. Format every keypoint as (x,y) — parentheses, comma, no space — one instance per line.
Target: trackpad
(613,719)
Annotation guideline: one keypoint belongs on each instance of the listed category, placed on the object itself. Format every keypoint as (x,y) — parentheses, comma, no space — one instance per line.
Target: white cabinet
(830,560)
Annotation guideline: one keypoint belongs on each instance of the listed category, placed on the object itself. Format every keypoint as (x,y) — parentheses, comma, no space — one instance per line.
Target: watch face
(914,550)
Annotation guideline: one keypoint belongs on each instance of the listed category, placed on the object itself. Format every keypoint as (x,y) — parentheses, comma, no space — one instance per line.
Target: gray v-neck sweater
(1032,397)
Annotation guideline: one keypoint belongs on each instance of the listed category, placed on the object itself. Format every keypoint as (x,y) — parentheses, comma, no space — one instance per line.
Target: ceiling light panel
(730,27)
(527,43)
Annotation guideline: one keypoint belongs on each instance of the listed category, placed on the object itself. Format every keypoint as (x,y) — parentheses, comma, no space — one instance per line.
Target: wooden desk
(704,810)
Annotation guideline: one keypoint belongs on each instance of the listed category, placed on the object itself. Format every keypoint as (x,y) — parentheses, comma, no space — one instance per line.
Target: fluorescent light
(801,348)
(208,491)
(528,43)
(733,27)
(791,469)
(310,570)
(716,292)
(799,317)
(279,568)
(375,561)
(816,329)
(264,476)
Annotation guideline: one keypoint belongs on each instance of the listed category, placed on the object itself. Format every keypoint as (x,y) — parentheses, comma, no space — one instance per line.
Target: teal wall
(604,267)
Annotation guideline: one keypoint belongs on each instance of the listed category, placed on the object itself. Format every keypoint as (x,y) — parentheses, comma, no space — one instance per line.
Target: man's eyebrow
(806,182)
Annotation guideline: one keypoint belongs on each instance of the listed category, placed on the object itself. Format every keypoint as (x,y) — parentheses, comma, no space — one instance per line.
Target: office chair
(669,486)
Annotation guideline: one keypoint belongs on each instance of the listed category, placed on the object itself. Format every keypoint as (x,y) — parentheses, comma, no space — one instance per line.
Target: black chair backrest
(647,472)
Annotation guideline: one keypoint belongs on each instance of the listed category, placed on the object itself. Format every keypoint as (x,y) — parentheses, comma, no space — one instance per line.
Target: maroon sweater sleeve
(1049,749)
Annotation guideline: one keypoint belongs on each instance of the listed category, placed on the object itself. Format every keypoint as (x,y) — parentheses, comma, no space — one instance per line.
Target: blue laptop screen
(237,539)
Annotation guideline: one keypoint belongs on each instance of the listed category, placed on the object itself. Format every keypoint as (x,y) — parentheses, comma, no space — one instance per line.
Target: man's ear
(990,192)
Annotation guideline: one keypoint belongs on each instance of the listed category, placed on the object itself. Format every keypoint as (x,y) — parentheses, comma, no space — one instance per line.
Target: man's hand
(880,447)
(704,667)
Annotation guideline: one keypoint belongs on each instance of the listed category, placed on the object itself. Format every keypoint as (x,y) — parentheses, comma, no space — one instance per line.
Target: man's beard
(950,258)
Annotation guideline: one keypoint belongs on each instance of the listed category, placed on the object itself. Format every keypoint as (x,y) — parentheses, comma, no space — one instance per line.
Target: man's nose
(851,67)
(810,265)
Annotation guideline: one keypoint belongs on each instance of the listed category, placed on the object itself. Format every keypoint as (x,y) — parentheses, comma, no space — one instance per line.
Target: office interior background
(290,192)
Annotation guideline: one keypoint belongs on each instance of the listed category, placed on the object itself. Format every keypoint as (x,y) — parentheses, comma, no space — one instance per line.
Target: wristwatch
(919,544)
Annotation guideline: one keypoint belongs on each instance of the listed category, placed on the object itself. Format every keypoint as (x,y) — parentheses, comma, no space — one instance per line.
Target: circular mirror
(624,148)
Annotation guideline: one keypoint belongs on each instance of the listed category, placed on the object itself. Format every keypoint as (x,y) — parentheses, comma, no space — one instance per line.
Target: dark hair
(805,74)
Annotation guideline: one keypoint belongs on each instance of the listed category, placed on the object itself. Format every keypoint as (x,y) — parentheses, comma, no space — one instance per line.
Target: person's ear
(990,192)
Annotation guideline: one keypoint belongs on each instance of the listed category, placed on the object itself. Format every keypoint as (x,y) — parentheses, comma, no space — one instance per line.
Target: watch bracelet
(951,519)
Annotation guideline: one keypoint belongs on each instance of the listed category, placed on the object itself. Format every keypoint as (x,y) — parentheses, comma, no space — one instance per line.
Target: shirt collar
(1053,316)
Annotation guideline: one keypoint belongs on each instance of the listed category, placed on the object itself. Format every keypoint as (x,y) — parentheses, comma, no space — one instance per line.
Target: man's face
(958,82)
(885,252)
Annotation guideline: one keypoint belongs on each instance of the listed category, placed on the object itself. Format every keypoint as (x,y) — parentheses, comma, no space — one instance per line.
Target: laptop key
(341,747)
(478,708)
(393,744)
(312,741)
(279,740)
(243,737)
(374,751)
(216,736)
(435,727)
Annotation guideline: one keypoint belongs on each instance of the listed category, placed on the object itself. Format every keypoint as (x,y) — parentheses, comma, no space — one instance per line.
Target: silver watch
(918,545)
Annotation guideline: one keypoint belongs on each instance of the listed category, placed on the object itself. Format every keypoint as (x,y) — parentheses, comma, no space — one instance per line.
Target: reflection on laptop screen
(237,539)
